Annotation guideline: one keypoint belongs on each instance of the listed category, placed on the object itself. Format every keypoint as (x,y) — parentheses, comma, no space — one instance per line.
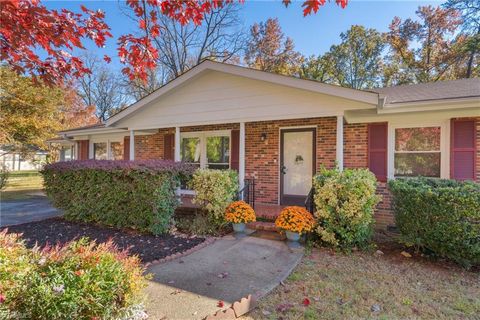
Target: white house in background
(15,161)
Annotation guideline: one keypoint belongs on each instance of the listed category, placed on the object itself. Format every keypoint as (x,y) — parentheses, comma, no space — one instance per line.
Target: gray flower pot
(239,227)
(292,236)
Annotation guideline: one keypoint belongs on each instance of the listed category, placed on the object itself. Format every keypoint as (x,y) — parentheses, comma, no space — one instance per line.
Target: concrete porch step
(268,212)
(262,225)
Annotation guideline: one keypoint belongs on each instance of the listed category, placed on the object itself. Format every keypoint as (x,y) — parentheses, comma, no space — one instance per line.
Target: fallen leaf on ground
(406,254)
(306,302)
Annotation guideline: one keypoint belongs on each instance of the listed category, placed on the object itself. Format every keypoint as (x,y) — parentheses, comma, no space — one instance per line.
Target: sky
(312,34)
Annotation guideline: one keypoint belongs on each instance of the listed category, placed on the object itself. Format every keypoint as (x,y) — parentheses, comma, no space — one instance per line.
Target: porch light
(263,137)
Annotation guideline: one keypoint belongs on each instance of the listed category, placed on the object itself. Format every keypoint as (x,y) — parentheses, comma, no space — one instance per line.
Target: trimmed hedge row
(440,216)
(135,194)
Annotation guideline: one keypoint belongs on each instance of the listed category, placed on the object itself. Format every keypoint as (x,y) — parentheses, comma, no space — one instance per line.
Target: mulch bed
(147,247)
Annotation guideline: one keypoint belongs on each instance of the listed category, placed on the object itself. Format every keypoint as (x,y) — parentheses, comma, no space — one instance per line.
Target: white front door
(297,165)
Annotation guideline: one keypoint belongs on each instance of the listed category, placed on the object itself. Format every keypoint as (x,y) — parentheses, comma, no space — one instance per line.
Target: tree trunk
(470,63)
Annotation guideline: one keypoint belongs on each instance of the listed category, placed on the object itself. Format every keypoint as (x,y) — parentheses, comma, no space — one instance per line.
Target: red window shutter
(83,146)
(235,156)
(169,146)
(463,149)
(377,149)
(126,148)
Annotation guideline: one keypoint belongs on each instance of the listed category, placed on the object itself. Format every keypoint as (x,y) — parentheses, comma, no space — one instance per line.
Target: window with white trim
(417,152)
(67,153)
(108,149)
(206,149)
(100,150)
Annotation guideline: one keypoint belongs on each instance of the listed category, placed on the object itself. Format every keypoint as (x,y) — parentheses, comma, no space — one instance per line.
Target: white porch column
(340,142)
(241,156)
(75,151)
(177,144)
(132,145)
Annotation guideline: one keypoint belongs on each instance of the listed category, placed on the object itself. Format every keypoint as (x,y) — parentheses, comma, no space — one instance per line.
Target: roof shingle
(453,89)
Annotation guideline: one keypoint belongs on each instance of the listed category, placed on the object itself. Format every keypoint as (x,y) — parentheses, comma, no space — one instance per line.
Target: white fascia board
(110,133)
(309,85)
(431,105)
(369,116)
(70,133)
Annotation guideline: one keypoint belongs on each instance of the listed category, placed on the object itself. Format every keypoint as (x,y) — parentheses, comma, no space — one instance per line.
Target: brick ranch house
(279,130)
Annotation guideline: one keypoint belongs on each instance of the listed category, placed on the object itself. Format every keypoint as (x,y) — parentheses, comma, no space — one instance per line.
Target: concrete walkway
(227,270)
(28,210)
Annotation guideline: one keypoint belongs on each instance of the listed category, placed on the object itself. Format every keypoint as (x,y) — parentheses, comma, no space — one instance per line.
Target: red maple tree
(27,27)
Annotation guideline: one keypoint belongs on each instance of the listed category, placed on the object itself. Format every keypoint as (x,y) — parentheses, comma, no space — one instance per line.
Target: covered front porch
(278,157)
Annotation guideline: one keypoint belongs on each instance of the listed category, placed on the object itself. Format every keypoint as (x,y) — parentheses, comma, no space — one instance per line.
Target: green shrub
(135,194)
(214,191)
(4,175)
(345,202)
(440,216)
(79,280)
(199,224)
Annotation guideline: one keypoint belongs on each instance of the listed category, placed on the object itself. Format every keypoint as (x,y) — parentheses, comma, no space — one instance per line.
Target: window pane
(100,150)
(218,152)
(66,154)
(116,149)
(417,164)
(417,139)
(190,148)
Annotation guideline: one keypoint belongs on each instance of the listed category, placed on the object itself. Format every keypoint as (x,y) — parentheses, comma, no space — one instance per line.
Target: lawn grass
(340,286)
(22,185)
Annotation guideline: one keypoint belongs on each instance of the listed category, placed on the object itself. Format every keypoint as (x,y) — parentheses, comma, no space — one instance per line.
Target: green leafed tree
(317,68)
(356,62)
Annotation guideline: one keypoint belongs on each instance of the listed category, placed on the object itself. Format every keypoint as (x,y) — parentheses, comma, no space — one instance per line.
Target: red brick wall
(262,157)
(355,145)
(151,147)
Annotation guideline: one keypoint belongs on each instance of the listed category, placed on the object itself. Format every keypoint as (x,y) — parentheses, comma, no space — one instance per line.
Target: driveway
(229,269)
(26,210)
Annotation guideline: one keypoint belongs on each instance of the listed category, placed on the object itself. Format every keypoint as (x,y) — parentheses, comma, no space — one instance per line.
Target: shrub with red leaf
(77,280)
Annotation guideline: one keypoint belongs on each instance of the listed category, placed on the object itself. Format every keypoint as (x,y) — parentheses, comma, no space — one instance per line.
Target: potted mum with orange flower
(239,213)
(295,221)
